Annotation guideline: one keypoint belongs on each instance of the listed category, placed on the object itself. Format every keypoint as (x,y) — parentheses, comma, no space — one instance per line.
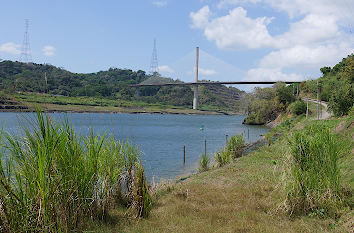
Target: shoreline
(126,111)
(249,148)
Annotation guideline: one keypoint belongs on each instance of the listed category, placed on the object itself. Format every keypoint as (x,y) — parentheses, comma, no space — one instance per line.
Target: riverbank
(244,196)
(26,102)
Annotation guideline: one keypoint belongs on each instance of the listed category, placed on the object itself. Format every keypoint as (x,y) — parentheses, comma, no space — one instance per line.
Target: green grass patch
(313,173)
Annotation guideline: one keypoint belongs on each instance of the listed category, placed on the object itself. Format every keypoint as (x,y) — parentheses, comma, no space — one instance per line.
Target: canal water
(161,138)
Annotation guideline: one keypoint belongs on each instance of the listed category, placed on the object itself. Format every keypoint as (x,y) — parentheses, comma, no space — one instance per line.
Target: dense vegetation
(265,104)
(336,86)
(111,84)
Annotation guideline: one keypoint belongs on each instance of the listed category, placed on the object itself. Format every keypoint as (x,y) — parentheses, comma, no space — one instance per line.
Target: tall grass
(232,150)
(313,176)
(52,180)
(204,163)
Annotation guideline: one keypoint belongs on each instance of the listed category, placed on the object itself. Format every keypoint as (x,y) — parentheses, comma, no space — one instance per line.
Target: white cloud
(48,51)
(200,19)
(10,48)
(275,74)
(315,37)
(238,31)
(307,56)
(160,3)
(311,29)
(206,72)
(341,9)
(235,30)
(225,3)
(166,69)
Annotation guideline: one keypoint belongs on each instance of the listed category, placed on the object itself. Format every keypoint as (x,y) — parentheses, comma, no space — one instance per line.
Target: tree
(325,70)
(342,99)
(284,94)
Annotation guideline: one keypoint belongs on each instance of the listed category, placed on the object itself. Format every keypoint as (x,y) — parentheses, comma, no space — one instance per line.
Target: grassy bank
(247,195)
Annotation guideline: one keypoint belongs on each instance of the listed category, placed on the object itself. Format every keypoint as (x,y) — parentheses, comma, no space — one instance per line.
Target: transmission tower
(26,49)
(154,66)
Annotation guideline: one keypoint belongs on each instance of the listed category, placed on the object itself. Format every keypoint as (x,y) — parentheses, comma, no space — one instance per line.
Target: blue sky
(239,39)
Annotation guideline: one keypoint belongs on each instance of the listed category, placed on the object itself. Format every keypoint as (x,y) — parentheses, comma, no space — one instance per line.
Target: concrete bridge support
(195,98)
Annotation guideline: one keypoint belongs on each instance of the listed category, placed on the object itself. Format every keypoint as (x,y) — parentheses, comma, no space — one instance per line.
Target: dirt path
(324,114)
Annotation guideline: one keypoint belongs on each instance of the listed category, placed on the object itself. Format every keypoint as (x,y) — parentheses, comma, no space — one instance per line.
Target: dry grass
(243,196)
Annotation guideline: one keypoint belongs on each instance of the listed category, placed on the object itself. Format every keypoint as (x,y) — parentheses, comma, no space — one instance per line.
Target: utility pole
(46,82)
(195,99)
(307,107)
(318,102)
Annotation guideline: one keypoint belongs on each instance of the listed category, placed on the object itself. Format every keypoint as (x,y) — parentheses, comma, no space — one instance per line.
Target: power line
(26,49)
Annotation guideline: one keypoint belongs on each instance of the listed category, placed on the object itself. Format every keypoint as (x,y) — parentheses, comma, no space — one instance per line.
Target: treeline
(336,86)
(113,83)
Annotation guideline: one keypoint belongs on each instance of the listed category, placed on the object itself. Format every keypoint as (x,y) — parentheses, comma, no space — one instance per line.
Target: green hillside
(17,77)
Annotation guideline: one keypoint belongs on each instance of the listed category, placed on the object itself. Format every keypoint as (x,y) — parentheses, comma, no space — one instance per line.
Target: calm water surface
(160,137)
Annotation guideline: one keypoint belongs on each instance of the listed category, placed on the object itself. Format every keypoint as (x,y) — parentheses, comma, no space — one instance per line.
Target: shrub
(313,172)
(235,146)
(222,158)
(204,163)
(233,149)
(298,107)
(54,181)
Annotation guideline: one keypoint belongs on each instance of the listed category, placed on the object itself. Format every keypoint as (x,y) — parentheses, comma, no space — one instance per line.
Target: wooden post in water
(184,154)
(205,146)
(226,138)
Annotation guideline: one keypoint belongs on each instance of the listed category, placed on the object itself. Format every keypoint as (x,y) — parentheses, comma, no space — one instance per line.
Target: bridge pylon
(195,98)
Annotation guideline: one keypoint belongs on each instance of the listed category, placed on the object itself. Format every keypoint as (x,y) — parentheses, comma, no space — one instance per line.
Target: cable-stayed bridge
(156,81)
(209,83)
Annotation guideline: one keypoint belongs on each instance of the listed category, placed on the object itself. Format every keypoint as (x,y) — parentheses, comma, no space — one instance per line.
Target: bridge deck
(206,83)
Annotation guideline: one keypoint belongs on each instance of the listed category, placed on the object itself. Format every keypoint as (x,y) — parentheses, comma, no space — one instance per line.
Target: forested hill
(18,76)
(113,84)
